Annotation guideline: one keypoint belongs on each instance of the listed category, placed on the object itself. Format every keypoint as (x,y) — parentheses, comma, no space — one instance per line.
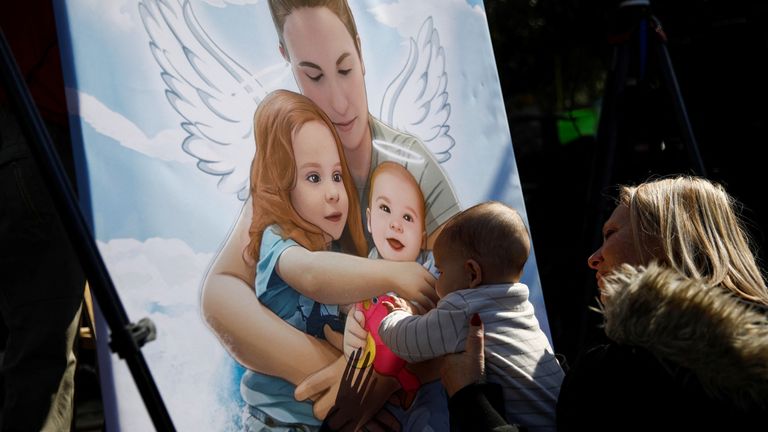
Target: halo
(398,153)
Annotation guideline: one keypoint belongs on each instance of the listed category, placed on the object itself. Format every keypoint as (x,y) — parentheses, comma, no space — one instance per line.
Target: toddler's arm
(336,278)
(415,338)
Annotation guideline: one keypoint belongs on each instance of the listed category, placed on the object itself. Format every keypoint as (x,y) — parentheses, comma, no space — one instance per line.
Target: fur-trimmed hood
(721,338)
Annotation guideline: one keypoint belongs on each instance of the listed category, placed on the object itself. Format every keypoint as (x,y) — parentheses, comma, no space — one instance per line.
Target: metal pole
(123,341)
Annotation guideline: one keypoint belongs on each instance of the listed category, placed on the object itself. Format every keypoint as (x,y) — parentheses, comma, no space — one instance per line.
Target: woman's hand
(462,369)
(322,387)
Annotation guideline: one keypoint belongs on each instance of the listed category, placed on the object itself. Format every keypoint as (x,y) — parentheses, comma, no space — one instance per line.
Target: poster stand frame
(127,338)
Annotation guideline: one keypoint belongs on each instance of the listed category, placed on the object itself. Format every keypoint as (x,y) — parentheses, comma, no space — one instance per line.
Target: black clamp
(140,333)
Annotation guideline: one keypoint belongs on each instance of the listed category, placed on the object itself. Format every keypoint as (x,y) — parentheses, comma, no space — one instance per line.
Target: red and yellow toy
(385,362)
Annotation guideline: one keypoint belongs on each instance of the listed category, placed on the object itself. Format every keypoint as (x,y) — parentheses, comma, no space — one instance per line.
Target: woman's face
(319,196)
(618,245)
(328,70)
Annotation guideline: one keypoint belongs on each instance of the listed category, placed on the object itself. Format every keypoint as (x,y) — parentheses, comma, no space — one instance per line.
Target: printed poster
(163,95)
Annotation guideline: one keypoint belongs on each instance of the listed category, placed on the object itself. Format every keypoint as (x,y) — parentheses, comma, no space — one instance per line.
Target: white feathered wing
(212,92)
(416,101)
(217,97)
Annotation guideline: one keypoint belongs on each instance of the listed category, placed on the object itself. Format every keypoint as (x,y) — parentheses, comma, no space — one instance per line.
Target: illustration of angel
(216,98)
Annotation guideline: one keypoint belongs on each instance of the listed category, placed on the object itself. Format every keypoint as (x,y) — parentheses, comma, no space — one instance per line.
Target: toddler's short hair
(491,233)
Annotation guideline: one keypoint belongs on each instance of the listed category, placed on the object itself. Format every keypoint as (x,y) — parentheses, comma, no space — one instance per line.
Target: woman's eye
(315,78)
(313,178)
(384,208)
(345,71)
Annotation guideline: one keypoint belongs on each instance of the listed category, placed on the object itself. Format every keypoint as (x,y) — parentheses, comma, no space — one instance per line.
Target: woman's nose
(595,259)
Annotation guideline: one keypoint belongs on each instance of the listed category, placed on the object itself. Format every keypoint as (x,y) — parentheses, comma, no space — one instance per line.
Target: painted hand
(413,282)
(355,336)
(322,387)
(334,338)
(360,399)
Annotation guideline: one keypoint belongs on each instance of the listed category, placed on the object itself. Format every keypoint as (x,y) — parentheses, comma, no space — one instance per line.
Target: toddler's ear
(474,272)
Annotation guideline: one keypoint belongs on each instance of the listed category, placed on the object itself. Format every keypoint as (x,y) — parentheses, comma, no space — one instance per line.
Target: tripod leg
(670,80)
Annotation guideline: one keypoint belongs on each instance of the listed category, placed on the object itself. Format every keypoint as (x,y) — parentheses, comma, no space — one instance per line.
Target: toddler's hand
(399,304)
(355,336)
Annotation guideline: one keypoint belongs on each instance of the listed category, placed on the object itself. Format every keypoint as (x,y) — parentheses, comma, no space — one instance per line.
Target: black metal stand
(126,337)
(644,29)
(640,36)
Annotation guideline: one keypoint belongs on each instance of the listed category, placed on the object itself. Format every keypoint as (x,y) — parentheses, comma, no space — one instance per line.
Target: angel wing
(416,101)
(214,94)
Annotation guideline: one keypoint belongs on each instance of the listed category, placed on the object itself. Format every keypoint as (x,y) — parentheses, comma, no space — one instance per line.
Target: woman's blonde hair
(273,175)
(689,224)
(281,9)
